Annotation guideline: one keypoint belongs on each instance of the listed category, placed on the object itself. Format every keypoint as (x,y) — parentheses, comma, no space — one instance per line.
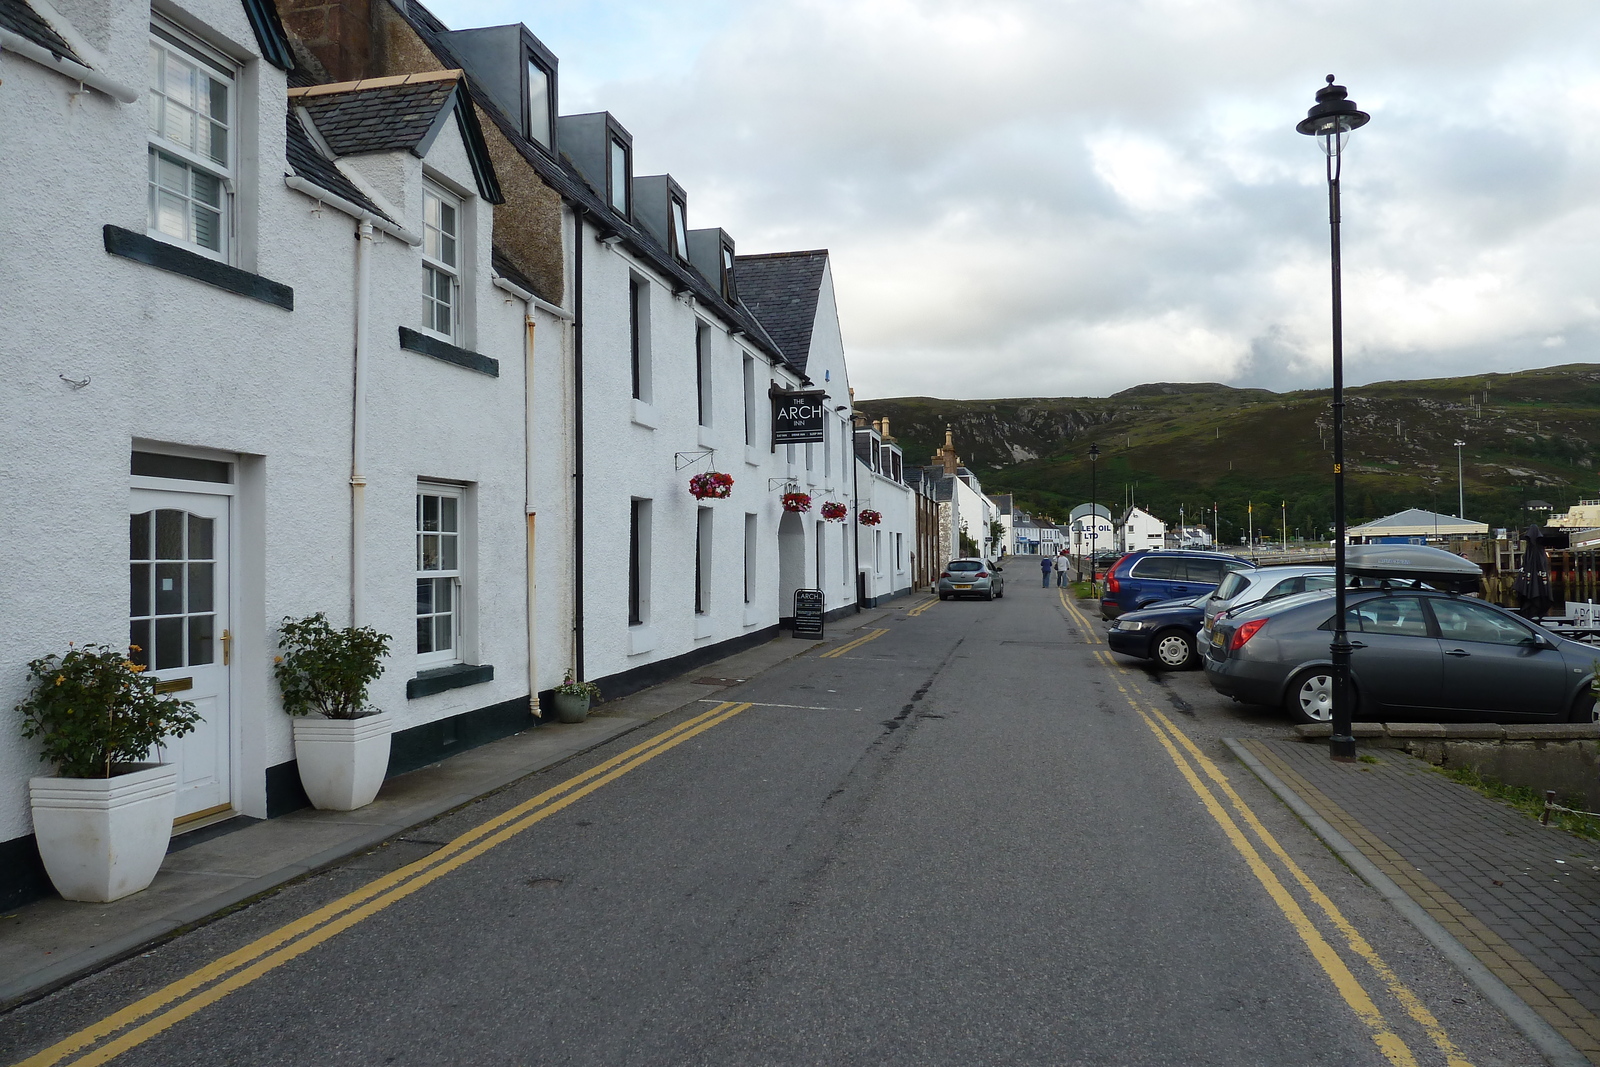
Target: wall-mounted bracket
(681,460)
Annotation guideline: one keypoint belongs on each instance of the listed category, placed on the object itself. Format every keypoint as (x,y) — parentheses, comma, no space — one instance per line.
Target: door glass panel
(169,534)
(139,536)
(169,588)
(139,641)
(169,644)
(200,586)
(199,537)
(138,590)
(202,629)
(1399,615)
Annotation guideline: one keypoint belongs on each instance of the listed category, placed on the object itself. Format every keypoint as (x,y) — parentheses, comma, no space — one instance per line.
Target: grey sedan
(1420,655)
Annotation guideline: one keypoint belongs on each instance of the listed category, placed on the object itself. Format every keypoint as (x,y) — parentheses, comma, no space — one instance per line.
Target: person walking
(1044,567)
(1061,570)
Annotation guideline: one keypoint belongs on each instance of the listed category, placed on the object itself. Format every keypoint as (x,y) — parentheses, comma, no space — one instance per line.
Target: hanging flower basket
(711,485)
(797,502)
(870,517)
(834,511)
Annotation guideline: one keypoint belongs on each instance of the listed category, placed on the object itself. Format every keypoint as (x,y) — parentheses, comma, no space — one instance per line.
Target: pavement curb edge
(1544,1037)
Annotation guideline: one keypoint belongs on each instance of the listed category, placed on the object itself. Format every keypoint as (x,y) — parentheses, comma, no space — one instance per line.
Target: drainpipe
(577,443)
(358,432)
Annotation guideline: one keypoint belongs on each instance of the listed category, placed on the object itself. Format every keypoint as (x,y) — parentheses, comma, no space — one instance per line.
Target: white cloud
(1038,196)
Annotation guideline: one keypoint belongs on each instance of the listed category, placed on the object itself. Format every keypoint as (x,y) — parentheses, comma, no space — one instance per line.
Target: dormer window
(730,292)
(618,176)
(539,105)
(680,229)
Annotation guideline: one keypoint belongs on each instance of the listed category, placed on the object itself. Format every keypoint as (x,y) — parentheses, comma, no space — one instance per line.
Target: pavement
(1515,904)
(209,872)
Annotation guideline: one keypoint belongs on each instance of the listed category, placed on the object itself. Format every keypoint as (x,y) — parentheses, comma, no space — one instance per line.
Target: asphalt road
(970,839)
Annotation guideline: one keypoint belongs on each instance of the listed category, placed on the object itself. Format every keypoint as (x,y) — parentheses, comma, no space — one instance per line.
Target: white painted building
(1139,530)
(202,430)
(388,343)
(885,549)
(1091,529)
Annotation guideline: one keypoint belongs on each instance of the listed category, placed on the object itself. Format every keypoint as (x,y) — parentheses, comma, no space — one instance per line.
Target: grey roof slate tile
(25,22)
(388,118)
(781,289)
(302,156)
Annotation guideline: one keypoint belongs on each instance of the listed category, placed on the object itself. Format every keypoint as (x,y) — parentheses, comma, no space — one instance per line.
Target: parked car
(1140,579)
(1242,588)
(1164,633)
(971,577)
(1419,654)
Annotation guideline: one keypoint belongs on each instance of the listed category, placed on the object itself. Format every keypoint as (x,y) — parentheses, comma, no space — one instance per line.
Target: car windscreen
(1232,585)
(964,565)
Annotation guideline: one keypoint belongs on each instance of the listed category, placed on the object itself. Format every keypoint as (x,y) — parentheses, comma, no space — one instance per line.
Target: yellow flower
(60,678)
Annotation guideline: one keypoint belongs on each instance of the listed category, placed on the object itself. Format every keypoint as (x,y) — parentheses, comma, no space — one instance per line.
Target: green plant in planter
(328,671)
(570,688)
(95,709)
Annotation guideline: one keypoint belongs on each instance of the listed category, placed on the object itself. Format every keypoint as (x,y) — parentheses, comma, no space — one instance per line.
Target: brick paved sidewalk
(1523,898)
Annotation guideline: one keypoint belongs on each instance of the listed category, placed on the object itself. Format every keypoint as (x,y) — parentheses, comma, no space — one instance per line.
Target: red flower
(834,511)
(798,502)
(870,518)
(712,485)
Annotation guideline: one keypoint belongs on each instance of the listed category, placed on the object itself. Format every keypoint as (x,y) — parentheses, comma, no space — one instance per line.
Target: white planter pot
(342,761)
(103,838)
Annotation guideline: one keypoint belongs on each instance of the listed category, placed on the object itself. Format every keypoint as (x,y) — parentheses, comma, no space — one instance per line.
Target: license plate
(963,587)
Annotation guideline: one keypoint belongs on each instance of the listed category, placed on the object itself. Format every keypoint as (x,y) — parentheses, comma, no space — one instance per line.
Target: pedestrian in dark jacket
(1044,566)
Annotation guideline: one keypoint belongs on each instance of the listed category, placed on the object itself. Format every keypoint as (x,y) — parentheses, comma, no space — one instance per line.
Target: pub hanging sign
(797,418)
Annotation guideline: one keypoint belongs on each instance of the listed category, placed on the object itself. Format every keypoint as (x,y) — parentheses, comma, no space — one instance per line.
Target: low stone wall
(1560,756)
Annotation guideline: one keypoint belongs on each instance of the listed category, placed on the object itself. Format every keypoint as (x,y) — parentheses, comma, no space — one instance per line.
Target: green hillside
(1531,435)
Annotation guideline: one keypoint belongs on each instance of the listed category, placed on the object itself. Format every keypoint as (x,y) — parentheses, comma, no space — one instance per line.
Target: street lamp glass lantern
(1332,118)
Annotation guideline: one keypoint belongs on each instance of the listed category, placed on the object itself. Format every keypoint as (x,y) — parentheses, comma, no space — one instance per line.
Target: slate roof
(782,288)
(25,22)
(379,114)
(503,267)
(562,177)
(307,162)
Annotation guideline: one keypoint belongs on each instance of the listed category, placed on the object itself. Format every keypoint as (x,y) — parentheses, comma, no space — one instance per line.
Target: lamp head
(1332,118)
(1094,451)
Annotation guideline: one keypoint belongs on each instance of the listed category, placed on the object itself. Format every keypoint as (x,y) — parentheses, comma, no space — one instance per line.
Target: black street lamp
(1330,121)
(1094,516)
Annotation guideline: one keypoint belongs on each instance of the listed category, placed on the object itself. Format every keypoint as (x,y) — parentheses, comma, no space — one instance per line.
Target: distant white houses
(1414,526)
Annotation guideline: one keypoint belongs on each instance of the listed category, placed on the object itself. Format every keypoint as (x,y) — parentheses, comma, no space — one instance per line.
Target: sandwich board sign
(797,418)
(808,613)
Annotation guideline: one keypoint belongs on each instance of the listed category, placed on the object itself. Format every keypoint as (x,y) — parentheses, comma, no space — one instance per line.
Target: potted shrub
(572,699)
(103,822)
(341,744)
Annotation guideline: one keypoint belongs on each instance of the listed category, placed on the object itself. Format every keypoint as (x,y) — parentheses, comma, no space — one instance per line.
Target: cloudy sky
(1050,197)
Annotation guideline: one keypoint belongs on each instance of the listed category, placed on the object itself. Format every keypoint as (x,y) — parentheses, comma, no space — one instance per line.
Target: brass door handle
(227,646)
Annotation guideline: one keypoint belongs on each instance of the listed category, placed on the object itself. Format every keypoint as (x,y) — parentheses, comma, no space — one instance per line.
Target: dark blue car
(1162,632)
(1140,579)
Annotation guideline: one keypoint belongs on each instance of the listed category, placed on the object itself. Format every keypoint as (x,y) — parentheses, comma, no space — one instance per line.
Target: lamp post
(1094,516)
(1330,120)
(1461,486)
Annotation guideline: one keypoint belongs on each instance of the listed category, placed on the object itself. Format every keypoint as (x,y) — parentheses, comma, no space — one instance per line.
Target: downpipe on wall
(358,428)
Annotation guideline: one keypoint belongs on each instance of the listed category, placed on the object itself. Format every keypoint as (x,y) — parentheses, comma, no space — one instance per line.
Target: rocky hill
(1529,435)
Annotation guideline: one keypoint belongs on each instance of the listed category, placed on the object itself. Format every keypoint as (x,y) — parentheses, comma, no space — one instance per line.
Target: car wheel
(1173,650)
(1584,709)
(1310,697)
(988,594)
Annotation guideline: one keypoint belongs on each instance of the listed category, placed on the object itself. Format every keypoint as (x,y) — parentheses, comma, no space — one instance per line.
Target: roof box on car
(1435,566)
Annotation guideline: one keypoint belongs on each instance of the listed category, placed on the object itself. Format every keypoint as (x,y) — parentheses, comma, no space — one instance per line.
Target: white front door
(178,619)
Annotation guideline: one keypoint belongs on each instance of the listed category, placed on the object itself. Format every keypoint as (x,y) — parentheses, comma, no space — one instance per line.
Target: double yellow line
(144,1019)
(851,646)
(920,608)
(1091,633)
(1191,763)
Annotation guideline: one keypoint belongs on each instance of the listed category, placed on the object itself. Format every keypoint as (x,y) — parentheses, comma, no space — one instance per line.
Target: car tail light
(983,574)
(1243,634)
(1113,587)
(944,574)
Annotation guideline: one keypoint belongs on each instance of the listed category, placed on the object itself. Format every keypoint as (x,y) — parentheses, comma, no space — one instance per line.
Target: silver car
(1419,656)
(971,577)
(1241,588)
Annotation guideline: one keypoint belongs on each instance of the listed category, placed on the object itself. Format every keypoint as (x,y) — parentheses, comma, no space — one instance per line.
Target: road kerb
(1556,1046)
